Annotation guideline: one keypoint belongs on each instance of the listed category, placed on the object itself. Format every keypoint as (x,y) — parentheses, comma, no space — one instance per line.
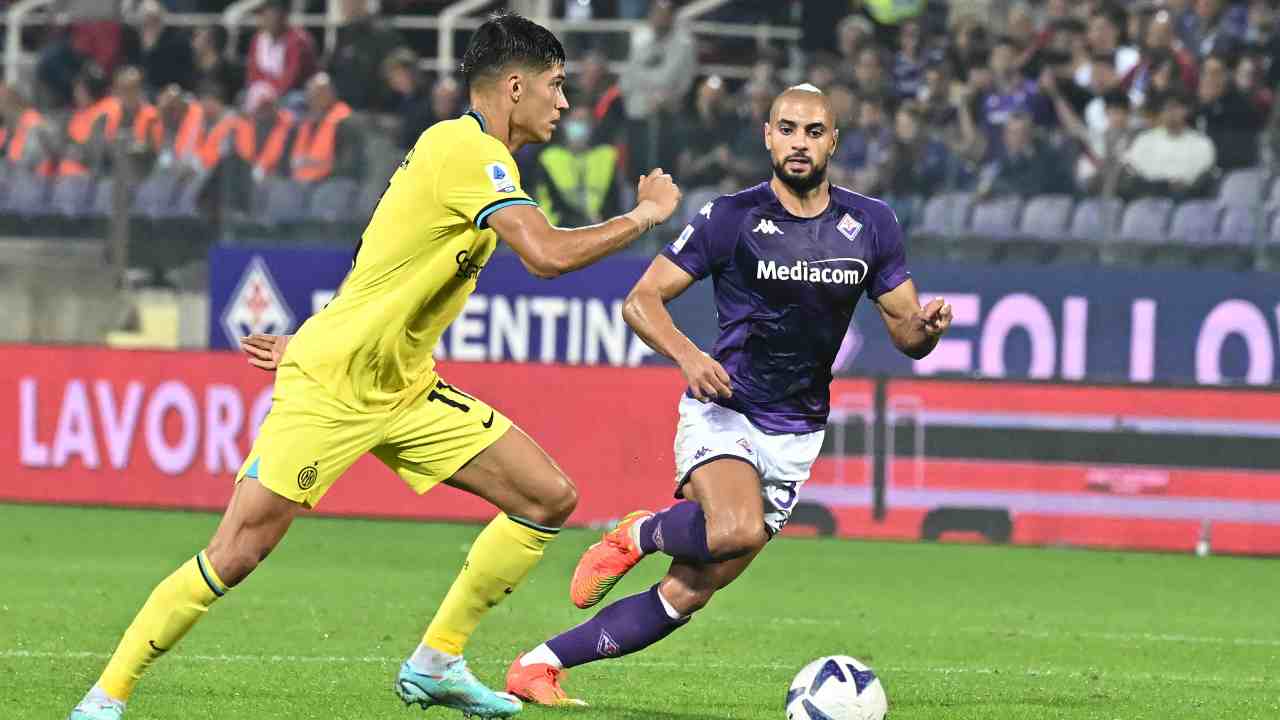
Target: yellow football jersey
(414,268)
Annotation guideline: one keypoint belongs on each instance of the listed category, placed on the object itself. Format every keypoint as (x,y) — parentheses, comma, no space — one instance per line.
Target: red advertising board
(1103,466)
(1134,467)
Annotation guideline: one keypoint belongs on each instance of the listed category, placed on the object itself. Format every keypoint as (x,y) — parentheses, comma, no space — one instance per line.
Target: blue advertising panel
(1065,323)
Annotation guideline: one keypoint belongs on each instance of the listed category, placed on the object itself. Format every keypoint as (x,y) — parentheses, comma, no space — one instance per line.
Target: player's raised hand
(707,378)
(936,317)
(661,194)
(264,351)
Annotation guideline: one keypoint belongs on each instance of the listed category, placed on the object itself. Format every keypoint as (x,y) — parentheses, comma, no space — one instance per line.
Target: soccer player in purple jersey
(789,259)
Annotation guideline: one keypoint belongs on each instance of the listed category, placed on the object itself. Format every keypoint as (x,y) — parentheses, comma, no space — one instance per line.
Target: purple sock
(679,531)
(631,624)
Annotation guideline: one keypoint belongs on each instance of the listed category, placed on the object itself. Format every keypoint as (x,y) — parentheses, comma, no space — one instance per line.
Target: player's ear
(768,138)
(835,139)
(515,86)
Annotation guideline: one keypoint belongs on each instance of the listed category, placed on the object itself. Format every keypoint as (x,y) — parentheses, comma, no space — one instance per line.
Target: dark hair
(215,88)
(508,39)
(218,37)
(1068,25)
(1116,98)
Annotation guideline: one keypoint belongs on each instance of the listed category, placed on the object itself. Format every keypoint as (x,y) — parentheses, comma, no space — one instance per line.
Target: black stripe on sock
(533,525)
(208,580)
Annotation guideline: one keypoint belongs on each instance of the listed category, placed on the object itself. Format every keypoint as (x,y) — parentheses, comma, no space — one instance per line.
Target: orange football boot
(539,684)
(604,564)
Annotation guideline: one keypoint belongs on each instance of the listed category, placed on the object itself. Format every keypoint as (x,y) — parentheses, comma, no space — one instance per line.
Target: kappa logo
(500,177)
(706,210)
(256,305)
(702,452)
(606,646)
(849,227)
(767,227)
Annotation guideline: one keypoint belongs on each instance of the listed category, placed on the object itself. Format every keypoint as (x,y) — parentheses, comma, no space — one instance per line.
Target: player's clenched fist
(658,195)
(935,317)
(707,378)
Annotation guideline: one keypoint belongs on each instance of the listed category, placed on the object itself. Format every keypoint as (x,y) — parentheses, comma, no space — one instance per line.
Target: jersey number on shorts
(435,396)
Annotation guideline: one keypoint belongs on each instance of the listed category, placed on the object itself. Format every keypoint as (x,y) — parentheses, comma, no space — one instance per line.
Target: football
(836,688)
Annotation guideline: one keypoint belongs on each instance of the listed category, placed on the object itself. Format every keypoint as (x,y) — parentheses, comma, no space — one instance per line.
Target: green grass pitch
(955,632)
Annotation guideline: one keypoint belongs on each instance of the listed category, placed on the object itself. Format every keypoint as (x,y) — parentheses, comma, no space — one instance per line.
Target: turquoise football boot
(457,688)
(96,709)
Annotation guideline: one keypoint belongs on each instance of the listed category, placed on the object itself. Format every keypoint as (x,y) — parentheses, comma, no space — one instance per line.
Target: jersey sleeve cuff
(890,283)
(683,264)
(482,217)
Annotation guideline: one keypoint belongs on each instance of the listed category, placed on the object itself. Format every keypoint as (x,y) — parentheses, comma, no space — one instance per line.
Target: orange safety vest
(313,149)
(273,149)
(18,143)
(209,150)
(187,141)
(82,122)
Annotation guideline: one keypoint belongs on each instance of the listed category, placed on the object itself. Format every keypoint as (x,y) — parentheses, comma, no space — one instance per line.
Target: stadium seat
(284,201)
(1195,222)
(28,194)
(156,194)
(333,200)
(1046,217)
(945,214)
(100,206)
(1240,225)
(1094,219)
(1242,187)
(1271,240)
(72,195)
(996,219)
(1273,200)
(1145,221)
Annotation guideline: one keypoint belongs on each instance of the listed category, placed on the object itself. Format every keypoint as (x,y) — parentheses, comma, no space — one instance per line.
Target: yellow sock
(174,606)
(501,557)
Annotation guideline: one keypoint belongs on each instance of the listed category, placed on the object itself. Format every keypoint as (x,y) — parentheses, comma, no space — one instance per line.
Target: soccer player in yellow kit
(359,377)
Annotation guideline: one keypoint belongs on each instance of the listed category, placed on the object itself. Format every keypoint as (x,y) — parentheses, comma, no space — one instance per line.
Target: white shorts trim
(707,432)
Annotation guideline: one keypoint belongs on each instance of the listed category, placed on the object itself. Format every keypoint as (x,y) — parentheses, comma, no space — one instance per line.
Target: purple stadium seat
(1145,220)
(334,201)
(1273,200)
(1242,187)
(284,201)
(1273,237)
(1045,217)
(1240,225)
(101,203)
(1093,219)
(1195,222)
(996,219)
(156,194)
(945,214)
(28,194)
(72,195)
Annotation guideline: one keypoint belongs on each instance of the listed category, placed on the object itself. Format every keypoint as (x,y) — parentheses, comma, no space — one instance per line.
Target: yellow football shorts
(309,438)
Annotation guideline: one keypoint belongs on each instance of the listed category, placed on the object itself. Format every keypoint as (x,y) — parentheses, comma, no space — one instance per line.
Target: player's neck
(810,204)
(497,124)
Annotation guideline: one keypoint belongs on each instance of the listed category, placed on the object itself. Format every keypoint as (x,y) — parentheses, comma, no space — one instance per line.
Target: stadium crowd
(1038,104)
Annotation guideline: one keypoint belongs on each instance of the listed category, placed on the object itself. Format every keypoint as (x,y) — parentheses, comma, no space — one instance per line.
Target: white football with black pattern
(836,688)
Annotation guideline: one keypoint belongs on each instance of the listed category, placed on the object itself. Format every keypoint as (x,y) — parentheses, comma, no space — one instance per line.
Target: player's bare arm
(915,330)
(264,351)
(645,310)
(548,251)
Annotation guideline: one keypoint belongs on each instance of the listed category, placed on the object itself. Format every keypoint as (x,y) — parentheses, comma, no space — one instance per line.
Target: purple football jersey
(785,290)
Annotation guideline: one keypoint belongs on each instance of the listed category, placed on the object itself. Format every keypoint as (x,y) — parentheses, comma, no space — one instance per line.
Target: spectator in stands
(25,138)
(57,66)
(937,112)
(1024,164)
(210,59)
(575,181)
(224,133)
(852,36)
(1170,159)
(659,72)
(869,76)
(272,128)
(969,47)
(412,106)
(1008,90)
(1227,117)
(356,61)
(908,62)
(181,123)
(844,105)
(1246,81)
(705,157)
(162,53)
(1101,149)
(1160,43)
(82,153)
(863,150)
(327,144)
(1213,25)
(281,57)
(597,88)
(1103,37)
(915,164)
(747,165)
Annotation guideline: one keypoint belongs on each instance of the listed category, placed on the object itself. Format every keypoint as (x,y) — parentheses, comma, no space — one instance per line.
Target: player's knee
(686,598)
(735,540)
(557,504)
(234,561)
